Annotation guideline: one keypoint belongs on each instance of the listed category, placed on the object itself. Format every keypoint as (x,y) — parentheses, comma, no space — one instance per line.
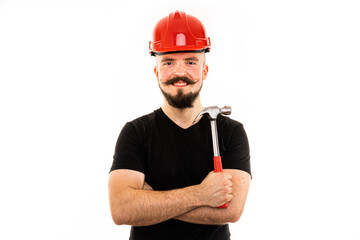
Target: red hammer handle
(218,168)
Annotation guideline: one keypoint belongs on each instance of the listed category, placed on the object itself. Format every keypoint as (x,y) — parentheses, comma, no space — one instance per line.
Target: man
(162,180)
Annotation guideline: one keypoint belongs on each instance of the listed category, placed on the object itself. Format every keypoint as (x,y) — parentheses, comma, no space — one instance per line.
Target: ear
(156,71)
(205,71)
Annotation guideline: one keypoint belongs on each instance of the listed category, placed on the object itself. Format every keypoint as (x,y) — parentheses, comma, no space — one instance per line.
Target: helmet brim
(153,53)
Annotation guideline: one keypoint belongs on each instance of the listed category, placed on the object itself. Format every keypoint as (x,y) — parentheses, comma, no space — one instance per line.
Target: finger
(229,190)
(228,175)
(229,197)
(147,186)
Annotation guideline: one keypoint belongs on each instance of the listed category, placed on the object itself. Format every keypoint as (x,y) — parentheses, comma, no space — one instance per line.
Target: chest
(178,159)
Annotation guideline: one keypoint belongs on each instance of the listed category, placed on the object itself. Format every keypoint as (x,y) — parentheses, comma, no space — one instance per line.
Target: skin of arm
(211,215)
(132,202)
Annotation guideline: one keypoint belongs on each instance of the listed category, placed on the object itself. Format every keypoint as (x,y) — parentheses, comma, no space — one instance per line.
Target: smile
(179,84)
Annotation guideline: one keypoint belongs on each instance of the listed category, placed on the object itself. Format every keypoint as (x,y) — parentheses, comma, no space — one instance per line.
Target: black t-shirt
(172,157)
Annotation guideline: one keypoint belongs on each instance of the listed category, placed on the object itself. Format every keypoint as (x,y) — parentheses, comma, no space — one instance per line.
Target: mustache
(177,79)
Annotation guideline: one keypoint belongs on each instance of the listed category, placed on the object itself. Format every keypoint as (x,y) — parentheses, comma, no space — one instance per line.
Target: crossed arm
(213,215)
(132,202)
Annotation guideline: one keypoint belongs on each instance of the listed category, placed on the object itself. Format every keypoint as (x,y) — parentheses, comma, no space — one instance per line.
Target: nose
(180,70)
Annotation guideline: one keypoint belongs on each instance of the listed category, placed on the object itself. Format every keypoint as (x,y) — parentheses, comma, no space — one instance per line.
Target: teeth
(179,84)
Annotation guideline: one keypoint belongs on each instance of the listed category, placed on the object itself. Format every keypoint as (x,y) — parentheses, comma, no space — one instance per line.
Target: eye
(167,63)
(191,63)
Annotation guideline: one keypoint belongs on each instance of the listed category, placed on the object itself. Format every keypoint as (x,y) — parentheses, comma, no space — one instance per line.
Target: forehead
(181,56)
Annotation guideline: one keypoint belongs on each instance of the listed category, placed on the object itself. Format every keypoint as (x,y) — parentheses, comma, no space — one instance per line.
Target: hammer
(212,113)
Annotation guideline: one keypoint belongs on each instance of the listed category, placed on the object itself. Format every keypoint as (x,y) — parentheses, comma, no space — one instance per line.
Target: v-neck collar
(172,123)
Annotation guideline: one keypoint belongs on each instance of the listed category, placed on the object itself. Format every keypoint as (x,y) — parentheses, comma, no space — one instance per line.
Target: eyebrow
(192,59)
(167,59)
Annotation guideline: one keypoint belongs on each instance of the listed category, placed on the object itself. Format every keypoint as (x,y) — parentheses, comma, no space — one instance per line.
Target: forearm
(139,207)
(209,215)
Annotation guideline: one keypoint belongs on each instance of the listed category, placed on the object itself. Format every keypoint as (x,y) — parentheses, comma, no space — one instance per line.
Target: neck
(182,117)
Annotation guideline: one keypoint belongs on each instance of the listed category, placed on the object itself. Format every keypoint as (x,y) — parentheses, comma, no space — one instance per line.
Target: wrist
(197,195)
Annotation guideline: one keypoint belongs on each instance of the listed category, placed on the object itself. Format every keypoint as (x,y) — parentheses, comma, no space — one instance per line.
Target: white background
(73,72)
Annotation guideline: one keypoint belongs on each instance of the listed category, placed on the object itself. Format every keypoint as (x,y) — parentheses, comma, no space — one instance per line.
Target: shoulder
(140,126)
(142,122)
(231,129)
(145,118)
(228,124)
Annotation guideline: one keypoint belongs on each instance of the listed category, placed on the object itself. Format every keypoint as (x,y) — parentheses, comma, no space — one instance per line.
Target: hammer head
(213,112)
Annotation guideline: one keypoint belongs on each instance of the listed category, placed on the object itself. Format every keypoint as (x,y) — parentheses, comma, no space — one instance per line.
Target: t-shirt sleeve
(237,152)
(129,153)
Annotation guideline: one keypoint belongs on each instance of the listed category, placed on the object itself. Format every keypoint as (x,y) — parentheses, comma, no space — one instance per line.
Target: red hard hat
(179,32)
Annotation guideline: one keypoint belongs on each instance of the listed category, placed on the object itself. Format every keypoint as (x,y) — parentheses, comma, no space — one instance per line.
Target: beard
(181,100)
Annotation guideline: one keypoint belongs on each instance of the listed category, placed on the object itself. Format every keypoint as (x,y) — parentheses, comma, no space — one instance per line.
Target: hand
(146,186)
(216,189)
